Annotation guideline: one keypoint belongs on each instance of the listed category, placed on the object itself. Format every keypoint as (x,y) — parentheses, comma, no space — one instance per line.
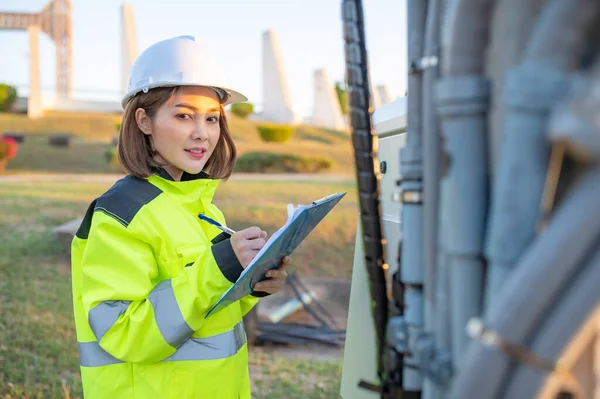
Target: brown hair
(135,149)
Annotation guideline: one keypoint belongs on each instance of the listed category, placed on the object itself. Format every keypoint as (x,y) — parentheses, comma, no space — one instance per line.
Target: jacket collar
(161,172)
(195,192)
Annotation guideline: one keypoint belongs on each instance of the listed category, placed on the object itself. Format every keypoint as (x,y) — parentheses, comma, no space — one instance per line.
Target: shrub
(267,162)
(8,96)
(111,157)
(242,109)
(59,140)
(8,150)
(18,137)
(109,154)
(342,94)
(275,133)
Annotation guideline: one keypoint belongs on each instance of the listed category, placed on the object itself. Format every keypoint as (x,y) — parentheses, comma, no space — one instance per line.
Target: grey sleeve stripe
(168,316)
(218,346)
(92,355)
(104,315)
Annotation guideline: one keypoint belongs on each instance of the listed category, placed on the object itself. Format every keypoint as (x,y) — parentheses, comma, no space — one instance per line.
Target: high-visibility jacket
(145,271)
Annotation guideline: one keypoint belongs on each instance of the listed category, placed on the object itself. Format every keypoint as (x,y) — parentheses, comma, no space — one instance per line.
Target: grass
(82,156)
(92,126)
(280,377)
(93,132)
(38,354)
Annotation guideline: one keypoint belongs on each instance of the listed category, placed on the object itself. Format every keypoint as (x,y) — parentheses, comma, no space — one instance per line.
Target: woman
(145,269)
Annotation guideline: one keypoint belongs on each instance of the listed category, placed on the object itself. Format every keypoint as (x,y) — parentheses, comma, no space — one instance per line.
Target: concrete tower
(128,45)
(327,111)
(384,94)
(277,102)
(375,100)
(34,102)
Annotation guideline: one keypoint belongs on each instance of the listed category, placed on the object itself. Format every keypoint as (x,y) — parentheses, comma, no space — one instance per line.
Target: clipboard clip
(324,199)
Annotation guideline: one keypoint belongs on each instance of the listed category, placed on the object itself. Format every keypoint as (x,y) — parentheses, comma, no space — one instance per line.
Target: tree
(342,97)
(8,95)
(242,109)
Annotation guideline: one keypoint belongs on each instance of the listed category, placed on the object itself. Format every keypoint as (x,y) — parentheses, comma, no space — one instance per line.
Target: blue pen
(216,224)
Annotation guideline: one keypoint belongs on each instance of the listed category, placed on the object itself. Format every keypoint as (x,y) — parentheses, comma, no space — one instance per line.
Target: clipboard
(300,223)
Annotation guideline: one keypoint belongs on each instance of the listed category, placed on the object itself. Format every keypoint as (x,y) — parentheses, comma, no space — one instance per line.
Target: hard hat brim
(233,96)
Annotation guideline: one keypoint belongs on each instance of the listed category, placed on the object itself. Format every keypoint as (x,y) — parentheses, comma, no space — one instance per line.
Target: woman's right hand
(247,243)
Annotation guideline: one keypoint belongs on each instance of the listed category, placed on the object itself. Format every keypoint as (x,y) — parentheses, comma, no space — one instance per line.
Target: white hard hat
(179,61)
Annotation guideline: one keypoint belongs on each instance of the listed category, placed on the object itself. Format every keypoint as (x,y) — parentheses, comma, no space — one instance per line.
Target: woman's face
(185,130)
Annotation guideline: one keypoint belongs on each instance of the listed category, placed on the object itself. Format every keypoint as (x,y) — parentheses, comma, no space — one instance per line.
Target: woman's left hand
(275,278)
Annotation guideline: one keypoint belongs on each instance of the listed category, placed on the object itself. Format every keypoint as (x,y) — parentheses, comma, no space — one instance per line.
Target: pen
(216,224)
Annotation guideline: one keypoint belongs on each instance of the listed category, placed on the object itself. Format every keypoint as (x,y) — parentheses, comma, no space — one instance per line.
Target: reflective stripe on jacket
(145,271)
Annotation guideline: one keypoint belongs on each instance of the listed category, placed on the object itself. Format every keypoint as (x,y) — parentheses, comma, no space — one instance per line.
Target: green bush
(115,139)
(275,133)
(242,109)
(342,94)
(111,156)
(267,162)
(8,96)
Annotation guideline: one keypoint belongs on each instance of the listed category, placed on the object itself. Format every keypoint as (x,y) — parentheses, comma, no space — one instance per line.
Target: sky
(309,33)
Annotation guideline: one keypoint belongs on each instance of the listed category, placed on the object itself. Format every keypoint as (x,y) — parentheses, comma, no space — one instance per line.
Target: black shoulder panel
(122,202)
(126,198)
(86,223)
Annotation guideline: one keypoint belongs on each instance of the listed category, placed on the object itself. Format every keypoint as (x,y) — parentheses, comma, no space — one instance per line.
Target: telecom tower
(384,94)
(327,111)
(129,49)
(277,102)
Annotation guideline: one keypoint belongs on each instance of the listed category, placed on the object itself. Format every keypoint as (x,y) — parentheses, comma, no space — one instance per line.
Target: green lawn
(38,354)
(91,125)
(82,156)
(281,377)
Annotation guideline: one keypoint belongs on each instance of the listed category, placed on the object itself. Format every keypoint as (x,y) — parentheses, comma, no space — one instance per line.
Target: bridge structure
(55,21)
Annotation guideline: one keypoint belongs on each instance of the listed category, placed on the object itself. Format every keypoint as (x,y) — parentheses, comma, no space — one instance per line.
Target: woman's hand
(275,278)
(247,243)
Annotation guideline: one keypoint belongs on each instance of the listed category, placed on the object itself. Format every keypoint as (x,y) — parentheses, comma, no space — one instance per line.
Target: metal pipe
(531,90)
(411,170)
(465,36)
(554,259)
(511,25)
(462,96)
(431,181)
(574,123)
